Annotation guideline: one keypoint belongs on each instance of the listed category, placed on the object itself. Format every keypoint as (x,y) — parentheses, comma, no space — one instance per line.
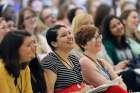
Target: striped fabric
(65,76)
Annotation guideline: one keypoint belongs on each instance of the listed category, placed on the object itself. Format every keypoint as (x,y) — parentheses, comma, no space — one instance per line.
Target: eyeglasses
(29,17)
(48,16)
(95,39)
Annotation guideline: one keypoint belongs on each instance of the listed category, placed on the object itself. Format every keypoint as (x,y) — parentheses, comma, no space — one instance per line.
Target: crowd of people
(60,46)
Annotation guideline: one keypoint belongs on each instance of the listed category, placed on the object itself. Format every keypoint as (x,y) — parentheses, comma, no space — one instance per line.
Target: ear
(54,44)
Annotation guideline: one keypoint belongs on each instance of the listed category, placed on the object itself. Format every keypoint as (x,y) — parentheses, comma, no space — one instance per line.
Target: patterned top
(103,71)
(65,76)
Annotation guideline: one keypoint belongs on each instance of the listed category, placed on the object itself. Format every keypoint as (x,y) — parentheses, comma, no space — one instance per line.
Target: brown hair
(21,17)
(126,14)
(85,33)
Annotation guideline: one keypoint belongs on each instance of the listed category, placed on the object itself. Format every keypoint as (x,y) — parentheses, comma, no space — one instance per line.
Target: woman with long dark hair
(117,47)
(16,50)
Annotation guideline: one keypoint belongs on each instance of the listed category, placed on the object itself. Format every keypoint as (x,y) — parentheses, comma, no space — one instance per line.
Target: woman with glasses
(95,71)
(28,21)
(47,17)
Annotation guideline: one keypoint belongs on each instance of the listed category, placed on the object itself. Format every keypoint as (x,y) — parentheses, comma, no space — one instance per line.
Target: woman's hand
(121,66)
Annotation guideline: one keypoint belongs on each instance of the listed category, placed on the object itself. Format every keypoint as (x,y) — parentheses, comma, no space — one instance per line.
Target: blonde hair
(79,20)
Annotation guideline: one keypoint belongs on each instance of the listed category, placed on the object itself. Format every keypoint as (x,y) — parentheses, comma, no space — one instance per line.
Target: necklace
(90,58)
(69,64)
(95,61)
(100,66)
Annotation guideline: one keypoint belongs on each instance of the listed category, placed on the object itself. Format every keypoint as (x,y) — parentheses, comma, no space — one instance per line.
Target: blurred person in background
(131,21)
(3,28)
(47,17)
(138,7)
(74,12)
(102,11)
(92,6)
(62,14)
(37,5)
(81,19)
(28,21)
(78,21)
(127,5)
(9,13)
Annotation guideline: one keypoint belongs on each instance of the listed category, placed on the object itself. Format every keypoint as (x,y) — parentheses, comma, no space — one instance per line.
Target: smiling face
(65,39)
(132,21)
(48,17)
(94,45)
(28,49)
(30,20)
(116,27)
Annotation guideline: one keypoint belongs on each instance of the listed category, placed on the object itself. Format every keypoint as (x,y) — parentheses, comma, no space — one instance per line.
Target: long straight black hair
(9,51)
(107,35)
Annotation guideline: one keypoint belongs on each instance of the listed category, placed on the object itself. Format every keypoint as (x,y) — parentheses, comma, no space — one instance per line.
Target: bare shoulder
(85,62)
(104,63)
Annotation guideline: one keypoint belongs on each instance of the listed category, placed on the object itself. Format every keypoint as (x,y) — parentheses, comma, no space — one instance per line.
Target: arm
(91,74)
(28,87)
(50,78)
(111,71)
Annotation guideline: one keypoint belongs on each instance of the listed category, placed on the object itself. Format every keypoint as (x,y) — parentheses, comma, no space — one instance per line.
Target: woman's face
(48,18)
(28,49)
(30,19)
(116,27)
(94,44)
(65,39)
(132,20)
(11,25)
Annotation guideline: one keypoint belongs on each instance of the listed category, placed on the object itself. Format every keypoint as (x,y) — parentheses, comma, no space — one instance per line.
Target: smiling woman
(62,70)
(96,72)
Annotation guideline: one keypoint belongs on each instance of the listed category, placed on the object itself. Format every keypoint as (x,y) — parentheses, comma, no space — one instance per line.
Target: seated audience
(117,47)
(62,71)
(16,50)
(130,19)
(95,71)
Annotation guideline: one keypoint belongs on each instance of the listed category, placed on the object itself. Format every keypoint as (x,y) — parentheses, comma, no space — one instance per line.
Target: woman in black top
(37,76)
(61,69)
